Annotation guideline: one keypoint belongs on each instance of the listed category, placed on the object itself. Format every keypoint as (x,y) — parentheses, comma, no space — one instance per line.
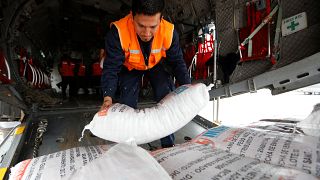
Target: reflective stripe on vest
(155,50)
(134,58)
(134,51)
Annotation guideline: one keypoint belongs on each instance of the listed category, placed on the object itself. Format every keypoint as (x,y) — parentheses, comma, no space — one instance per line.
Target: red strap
(268,8)
(248,15)
(253,16)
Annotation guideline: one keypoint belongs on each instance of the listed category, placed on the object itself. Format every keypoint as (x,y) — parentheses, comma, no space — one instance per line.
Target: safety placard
(294,24)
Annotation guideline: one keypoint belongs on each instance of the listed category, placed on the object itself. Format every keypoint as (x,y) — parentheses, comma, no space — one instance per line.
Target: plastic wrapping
(311,125)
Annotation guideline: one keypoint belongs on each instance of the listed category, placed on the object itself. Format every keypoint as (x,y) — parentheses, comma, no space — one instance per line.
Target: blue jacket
(115,58)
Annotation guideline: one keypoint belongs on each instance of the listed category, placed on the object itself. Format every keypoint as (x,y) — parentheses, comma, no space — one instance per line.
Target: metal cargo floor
(67,120)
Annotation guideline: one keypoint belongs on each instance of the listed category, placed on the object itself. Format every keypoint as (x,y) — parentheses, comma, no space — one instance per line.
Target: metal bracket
(293,76)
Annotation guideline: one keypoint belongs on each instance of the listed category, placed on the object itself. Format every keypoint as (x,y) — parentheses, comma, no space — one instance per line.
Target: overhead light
(65,18)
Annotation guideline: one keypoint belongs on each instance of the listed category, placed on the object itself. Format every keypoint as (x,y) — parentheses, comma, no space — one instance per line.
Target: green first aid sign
(294,24)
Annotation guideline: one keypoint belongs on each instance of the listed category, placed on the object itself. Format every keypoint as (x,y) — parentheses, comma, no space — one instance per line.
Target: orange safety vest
(82,70)
(96,69)
(67,69)
(134,58)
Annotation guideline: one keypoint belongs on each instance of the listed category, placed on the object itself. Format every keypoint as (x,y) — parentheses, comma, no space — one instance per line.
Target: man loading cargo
(139,45)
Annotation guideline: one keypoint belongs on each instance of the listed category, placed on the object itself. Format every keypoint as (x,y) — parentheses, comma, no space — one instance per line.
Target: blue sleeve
(176,61)
(112,64)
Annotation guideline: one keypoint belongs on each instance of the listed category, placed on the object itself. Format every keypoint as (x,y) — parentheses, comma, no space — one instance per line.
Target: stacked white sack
(121,123)
(57,165)
(204,161)
(311,124)
(122,161)
(292,151)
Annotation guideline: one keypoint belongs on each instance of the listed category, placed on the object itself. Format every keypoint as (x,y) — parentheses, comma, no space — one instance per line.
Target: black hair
(147,7)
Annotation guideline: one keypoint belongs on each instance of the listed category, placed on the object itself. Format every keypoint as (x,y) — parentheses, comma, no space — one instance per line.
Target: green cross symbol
(293,26)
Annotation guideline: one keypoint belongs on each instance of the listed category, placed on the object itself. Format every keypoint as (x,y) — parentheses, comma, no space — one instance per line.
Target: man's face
(146,26)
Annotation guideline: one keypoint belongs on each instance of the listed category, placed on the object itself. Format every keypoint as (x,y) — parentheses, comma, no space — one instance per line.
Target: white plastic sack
(287,150)
(121,123)
(57,165)
(123,161)
(198,161)
(311,125)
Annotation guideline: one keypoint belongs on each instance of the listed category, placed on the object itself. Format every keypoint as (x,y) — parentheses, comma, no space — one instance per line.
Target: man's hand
(107,102)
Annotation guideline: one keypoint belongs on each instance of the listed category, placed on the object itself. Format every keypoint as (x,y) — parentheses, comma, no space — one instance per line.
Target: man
(135,45)
(66,70)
